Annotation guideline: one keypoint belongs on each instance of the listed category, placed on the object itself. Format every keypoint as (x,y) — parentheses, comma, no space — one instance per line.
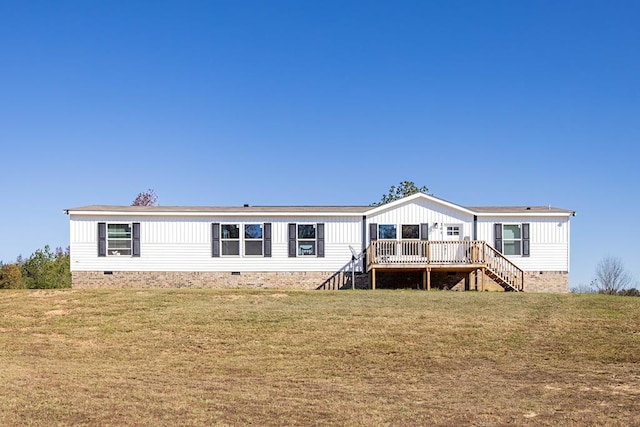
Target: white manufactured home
(419,241)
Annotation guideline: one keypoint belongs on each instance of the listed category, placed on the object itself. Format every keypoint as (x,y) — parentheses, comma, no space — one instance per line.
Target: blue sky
(322,102)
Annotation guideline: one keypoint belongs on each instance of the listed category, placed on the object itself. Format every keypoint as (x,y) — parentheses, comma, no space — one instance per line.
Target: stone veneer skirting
(546,281)
(538,281)
(199,279)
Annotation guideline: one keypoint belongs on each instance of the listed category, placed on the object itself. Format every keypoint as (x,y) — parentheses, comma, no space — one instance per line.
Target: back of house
(419,241)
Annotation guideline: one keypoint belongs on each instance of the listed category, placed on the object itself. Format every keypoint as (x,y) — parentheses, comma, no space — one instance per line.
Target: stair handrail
(504,268)
(331,280)
(435,252)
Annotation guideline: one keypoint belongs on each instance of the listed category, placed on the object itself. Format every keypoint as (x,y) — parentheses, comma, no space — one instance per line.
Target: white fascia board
(217,214)
(526,214)
(415,196)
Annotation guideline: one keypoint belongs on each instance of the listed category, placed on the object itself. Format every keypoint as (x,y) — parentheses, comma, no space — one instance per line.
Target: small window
(230,239)
(118,239)
(512,239)
(253,239)
(387,232)
(453,230)
(306,239)
(410,231)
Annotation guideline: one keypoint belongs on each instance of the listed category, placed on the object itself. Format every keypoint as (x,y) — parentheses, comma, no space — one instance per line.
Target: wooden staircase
(343,278)
(502,271)
(444,255)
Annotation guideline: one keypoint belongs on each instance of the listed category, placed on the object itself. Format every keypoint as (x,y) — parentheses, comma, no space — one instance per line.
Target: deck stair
(343,278)
(467,255)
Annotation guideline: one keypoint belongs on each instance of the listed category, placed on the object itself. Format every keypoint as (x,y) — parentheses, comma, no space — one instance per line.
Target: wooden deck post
(482,282)
(428,279)
(373,278)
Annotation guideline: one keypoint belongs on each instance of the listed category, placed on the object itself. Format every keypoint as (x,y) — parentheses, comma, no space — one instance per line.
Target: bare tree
(147,198)
(611,276)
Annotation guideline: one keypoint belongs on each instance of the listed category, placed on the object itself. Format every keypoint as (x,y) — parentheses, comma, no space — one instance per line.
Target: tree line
(44,269)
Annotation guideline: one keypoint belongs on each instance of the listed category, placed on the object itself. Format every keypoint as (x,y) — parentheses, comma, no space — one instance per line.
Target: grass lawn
(207,357)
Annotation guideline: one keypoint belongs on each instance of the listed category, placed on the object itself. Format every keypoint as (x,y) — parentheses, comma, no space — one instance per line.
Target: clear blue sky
(322,102)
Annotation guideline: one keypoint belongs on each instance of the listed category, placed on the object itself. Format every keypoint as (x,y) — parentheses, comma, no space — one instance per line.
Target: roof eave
(531,214)
(211,213)
(415,196)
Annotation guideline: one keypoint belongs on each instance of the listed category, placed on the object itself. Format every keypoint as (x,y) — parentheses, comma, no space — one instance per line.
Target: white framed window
(307,240)
(410,232)
(387,232)
(253,239)
(512,239)
(230,239)
(453,230)
(119,239)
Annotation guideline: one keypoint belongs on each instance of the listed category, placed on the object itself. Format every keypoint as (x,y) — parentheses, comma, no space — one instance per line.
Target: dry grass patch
(206,357)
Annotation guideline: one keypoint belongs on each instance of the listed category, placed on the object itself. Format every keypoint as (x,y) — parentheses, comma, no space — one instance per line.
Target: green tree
(45,269)
(406,188)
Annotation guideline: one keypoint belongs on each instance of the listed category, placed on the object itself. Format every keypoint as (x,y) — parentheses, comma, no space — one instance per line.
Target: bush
(11,277)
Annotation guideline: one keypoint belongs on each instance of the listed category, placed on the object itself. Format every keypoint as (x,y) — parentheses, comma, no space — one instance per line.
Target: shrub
(631,292)
(11,277)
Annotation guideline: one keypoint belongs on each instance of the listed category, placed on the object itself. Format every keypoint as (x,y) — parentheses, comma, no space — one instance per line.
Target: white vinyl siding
(424,211)
(184,244)
(548,240)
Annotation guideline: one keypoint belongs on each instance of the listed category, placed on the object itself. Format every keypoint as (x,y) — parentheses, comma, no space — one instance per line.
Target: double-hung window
(253,238)
(307,239)
(230,239)
(512,239)
(119,238)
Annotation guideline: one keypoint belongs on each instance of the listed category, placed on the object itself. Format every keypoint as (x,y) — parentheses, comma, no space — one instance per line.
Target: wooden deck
(427,256)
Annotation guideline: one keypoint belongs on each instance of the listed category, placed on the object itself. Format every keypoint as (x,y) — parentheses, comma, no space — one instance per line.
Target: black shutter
(215,240)
(497,235)
(136,239)
(320,238)
(267,239)
(525,240)
(424,231)
(292,240)
(373,232)
(475,227)
(102,239)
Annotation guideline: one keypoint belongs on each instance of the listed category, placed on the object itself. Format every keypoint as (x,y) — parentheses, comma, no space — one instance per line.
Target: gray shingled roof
(517,209)
(224,209)
(301,209)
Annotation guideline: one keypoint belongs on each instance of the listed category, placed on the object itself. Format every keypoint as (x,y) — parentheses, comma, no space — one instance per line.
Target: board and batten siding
(184,244)
(548,237)
(424,212)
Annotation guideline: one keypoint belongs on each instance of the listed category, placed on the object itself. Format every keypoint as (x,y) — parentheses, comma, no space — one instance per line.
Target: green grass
(206,357)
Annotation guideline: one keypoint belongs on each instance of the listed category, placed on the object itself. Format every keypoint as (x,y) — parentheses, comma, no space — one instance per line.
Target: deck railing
(408,253)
